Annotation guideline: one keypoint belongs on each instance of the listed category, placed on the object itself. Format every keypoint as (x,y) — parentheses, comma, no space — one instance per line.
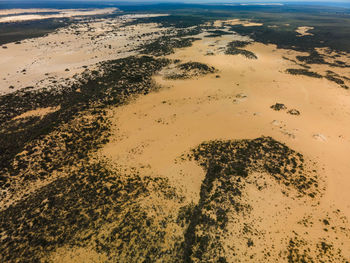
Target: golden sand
(303,30)
(40,112)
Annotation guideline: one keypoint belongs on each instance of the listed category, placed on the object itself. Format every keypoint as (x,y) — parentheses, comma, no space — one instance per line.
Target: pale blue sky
(220,1)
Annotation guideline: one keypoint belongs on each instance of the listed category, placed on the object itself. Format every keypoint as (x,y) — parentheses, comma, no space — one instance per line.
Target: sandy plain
(153,132)
(56,58)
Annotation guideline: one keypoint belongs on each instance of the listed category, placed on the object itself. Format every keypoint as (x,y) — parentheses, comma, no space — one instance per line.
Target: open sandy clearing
(303,30)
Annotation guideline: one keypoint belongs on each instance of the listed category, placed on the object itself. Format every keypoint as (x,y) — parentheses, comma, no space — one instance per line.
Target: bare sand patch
(77,255)
(303,31)
(41,112)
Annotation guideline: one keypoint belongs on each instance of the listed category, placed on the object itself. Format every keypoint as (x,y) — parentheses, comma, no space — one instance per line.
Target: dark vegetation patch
(334,77)
(196,66)
(316,58)
(293,112)
(243,52)
(92,207)
(313,58)
(165,45)
(238,44)
(173,38)
(217,33)
(278,107)
(281,106)
(177,20)
(330,75)
(283,37)
(190,69)
(322,251)
(180,36)
(235,48)
(228,165)
(297,63)
(304,72)
(15,32)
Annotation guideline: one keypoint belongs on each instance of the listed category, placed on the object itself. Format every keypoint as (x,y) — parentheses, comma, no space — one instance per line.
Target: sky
(346,3)
(184,1)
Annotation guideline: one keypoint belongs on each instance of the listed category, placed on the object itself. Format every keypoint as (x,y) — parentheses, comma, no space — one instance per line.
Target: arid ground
(131,139)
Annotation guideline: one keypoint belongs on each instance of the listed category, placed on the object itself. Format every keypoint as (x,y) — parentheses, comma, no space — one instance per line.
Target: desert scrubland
(125,140)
